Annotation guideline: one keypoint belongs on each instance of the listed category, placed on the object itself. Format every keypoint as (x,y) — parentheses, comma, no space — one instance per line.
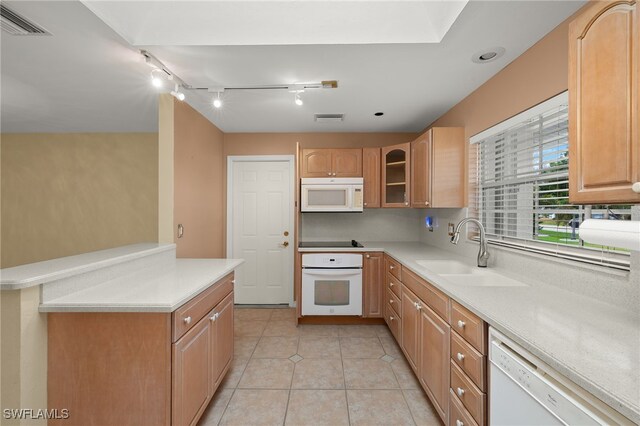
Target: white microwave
(332,195)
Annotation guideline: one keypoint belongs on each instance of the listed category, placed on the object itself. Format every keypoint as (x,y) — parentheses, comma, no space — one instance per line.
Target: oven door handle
(331,272)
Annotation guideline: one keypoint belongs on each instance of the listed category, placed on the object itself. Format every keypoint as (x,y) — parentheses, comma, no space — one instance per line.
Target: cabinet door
(420,171)
(221,340)
(448,164)
(316,163)
(371,174)
(396,161)
(604,152)
(373,287)
(191,374)
(433,370)
(410,327)
(346,162)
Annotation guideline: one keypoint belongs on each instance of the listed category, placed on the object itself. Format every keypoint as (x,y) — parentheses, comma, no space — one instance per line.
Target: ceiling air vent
(15,24)
(328,118)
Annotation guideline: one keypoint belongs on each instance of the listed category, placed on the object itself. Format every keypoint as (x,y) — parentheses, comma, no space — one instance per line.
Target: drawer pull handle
(460,392)
(459,423)
(214,317)
(460,357)
(187,320)
(461,324)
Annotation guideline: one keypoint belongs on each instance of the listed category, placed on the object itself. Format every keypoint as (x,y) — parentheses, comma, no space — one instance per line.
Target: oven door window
(326,197)
(331,292)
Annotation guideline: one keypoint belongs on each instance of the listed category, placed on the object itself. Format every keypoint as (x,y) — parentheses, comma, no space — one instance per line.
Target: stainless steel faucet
(483,254)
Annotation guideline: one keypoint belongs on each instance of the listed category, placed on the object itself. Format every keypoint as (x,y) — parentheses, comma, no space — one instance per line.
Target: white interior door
(261,215)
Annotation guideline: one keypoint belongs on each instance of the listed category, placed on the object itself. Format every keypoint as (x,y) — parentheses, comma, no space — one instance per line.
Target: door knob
(286,244)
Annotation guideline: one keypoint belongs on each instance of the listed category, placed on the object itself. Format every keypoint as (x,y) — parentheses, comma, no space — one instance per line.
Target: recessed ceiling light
(379,114)
(488,55)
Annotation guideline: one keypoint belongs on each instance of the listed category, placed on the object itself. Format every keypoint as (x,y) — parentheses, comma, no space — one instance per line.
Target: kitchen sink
(442,267)
(466,275)
(483,278)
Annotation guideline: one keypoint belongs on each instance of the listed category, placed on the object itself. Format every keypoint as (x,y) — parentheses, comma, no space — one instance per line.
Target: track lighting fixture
(177,93)
(156,80)
(217,102)
(298,99)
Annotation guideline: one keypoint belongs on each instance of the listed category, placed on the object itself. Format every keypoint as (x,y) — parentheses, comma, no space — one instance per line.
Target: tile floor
(316,375)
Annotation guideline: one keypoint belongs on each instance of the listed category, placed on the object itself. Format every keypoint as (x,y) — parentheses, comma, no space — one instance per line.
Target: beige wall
(198,183)
(285,143)
(535,76)
(64,194)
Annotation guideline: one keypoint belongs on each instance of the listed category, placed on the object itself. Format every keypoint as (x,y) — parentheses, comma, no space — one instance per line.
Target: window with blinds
(520,188)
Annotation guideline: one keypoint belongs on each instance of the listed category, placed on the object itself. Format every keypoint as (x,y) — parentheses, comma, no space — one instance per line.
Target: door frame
(291,159)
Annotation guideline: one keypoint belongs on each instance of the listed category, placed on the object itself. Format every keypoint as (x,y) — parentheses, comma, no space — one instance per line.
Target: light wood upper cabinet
(604,152)
(396,177)
(327,162)
(438,168)
(371,173)
(434,364)
(421,171)
(373,286)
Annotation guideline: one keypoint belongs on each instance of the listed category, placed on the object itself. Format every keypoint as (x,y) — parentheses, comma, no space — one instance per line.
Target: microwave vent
(328,118)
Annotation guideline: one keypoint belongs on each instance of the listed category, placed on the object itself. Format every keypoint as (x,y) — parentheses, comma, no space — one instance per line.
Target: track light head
(217,102)
(156,80)
(298,99)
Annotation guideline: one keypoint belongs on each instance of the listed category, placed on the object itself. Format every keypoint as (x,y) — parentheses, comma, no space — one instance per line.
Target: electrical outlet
(450,228)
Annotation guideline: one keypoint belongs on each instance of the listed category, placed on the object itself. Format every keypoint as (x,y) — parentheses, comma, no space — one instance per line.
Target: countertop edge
(52,306)
(76,270)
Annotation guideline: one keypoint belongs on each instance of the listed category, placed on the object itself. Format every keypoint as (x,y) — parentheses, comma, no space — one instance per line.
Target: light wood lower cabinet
(434,359)
(372,286)
(140,368)
(410,327)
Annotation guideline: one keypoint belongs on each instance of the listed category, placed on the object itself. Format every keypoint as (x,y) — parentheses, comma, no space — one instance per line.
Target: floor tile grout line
(344,379)
(404,397)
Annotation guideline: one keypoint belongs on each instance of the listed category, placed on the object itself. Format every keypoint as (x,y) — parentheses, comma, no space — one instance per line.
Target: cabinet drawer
(436,300)
(394,302)
(186,316)
(458,415)
(393,321)
(393,267)
(471,397)
(469,326)
(472,362)
(394,285)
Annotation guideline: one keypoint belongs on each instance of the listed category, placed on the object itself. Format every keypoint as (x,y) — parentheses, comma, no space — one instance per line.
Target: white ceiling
(245,23)
(87,78)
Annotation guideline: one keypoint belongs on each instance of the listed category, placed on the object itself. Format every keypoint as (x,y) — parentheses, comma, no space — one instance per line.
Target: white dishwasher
(523,390)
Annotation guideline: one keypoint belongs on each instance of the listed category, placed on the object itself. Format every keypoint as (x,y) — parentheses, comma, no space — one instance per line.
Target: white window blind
(519,188)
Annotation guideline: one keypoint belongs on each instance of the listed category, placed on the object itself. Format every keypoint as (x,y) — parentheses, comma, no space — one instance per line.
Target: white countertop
(594,344)
(34,274)
(154,289)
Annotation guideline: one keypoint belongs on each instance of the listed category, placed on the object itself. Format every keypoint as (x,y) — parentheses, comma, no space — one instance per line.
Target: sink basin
(483,278)
(442,267)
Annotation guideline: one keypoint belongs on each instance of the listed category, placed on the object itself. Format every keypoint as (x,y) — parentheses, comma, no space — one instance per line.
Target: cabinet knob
(368,256)
(460,392)
(426,203)
(461,324)
(460,356)
(365,204)
(391,318)
(214,317)
(391,267)
(636,187)
(187,320)
(328,173)
(390,284)
(418,307)
(459,423)
(233,281)
(406,203)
